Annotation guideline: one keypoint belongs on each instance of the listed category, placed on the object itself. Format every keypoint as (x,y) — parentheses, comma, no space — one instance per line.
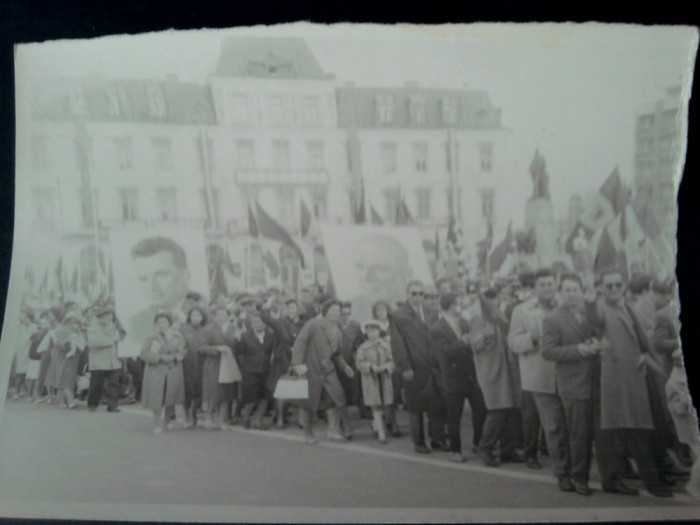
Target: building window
(40,152)
(388,151)
(320,204)
(124,153)
(487,203)
(245,154)
(644,146)
(449,110)
(76,101)
(486,156)
(239,109)
(44,205)
(420,156)
(314,151)
(277,115)
(391,200)
(417,109)
(128,198)
(167,204)
(645,122)
(310,111)
(163,153)
(156,101)
(280,154)
(423,201)
(669,118)
(386,108)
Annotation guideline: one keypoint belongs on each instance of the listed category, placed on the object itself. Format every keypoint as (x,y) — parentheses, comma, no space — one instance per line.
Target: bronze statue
(540,179)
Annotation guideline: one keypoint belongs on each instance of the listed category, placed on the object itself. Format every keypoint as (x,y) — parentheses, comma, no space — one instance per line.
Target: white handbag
(292,387)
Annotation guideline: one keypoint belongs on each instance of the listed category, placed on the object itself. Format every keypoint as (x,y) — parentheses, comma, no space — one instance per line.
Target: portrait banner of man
(153,272)
(371,263)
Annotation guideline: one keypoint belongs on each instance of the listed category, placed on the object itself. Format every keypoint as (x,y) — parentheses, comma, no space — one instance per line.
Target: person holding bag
(163,383)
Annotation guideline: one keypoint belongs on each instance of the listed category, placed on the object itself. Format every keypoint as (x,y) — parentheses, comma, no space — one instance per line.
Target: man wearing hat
(104,365)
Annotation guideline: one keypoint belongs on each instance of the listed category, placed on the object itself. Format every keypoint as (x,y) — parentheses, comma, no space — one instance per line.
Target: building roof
(357,107)
(268,57)
(116,100)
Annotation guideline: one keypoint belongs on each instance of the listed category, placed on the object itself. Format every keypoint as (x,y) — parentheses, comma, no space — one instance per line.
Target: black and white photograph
(350,273)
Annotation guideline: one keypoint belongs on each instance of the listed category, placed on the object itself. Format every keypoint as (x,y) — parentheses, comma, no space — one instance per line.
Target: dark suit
(459,379)
(413,350)
(562,331)
(254,360)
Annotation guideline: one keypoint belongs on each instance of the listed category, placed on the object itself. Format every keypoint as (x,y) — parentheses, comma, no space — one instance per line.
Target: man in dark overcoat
(418,364)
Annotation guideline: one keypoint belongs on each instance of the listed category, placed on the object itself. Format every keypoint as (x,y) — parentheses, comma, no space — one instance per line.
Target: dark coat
(455,357)
(561,334)
(666,336)
(413,350)
(193,364)
(212,391)
(286,331)
(252,355)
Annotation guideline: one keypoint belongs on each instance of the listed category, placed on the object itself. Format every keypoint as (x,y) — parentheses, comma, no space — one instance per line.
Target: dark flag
(613,190)
(606,256)
(403,215)
(270,228)
(252,223)
(305,219)
(360,210)
(500,252)
(483,247)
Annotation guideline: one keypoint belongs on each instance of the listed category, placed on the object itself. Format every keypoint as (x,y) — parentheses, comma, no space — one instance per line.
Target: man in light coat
(104,365)
(537,375)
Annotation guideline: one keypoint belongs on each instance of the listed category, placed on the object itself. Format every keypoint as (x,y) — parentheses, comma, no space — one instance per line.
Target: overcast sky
(569,90)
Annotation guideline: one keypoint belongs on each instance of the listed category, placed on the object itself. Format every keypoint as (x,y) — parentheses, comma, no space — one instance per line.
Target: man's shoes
(661,492)
(335,436)
(246,424)
(565,485)
(92,409)
(422,449)
(442,446)
(489,459)
(621,488)
(532,463)
(260,426)
(512,457)
(456,457)
(113,409)
(582,489)
(396,433)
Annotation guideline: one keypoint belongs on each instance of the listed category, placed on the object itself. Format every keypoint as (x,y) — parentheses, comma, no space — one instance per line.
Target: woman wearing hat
(375,364)
(163,384)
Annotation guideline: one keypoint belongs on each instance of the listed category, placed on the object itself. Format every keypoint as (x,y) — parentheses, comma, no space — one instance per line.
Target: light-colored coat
(624,392)
(163,382)
(377,389)
(317,346)
(536,373)
(496,369)
(102,347)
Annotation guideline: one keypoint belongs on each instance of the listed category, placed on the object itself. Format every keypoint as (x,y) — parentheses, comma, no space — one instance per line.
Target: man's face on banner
(161,280)
(380,267)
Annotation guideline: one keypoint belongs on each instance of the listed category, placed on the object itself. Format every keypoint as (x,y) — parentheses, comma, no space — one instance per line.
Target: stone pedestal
(539,214)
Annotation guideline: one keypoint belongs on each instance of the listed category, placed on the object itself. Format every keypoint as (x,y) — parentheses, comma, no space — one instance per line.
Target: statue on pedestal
(540,179)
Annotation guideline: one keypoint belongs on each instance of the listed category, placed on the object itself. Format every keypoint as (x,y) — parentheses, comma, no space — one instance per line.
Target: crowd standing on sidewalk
(548,364)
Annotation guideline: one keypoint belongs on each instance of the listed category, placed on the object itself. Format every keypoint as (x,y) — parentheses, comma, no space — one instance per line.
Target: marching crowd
(588,367)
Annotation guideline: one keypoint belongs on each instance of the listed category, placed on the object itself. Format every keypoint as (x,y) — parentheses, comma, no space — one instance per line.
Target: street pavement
(52,455)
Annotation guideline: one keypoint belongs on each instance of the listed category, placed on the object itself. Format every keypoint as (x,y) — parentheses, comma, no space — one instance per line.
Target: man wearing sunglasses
(626,403)
(418,364)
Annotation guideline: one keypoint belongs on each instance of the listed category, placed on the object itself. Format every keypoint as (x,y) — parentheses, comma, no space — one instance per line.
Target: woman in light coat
(163,383)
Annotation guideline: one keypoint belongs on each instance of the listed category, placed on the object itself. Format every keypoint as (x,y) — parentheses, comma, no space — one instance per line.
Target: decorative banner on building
(153,271)
(369,263)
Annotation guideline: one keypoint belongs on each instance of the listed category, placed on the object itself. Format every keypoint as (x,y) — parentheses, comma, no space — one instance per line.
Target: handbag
(292,387)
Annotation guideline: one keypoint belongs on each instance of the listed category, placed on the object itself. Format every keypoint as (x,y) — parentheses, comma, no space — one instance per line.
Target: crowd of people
(544,359)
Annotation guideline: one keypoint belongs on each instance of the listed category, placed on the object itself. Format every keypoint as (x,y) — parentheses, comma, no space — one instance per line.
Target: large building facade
(657,154)
(270,125)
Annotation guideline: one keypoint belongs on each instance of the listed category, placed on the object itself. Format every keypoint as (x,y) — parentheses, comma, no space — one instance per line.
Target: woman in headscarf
(193,332)
(163,383)
(69,343)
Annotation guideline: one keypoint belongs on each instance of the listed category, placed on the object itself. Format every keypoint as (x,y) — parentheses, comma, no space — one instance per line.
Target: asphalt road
(50,455)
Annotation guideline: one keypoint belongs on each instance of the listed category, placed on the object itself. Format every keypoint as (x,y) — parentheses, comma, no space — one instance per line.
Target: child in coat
(376,364)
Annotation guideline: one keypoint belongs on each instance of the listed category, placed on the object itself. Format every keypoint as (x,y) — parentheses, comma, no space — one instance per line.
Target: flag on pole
(606,256)
(500,252)
(403,215)
(605,204)
(483,247)
(252,223)
(360,211)
(376,219)
(270,228)
(305,219)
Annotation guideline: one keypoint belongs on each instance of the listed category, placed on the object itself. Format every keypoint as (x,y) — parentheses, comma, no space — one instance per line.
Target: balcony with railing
(281,176)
